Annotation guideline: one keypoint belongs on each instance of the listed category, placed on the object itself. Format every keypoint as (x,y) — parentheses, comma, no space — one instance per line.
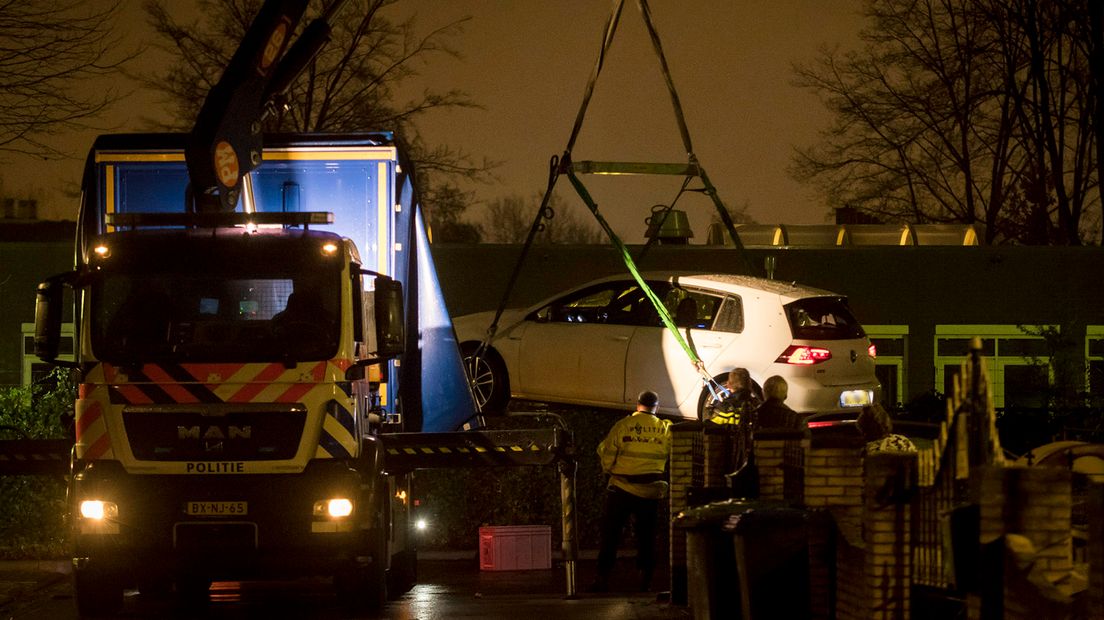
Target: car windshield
(823,318)
(215,304)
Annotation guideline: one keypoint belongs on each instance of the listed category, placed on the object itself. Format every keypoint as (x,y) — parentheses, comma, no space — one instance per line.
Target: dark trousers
(620,505)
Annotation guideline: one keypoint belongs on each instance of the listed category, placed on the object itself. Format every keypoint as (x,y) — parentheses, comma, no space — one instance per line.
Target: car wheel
(705,396)
(487,377)
(720,380)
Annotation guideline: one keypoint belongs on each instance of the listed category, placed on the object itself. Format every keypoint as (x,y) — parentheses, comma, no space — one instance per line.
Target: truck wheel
(365,587)
(487,377)
(403,574)
(97,593)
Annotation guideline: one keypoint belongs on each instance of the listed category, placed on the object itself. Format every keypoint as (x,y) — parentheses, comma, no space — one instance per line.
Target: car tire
(487,376)
(720,380)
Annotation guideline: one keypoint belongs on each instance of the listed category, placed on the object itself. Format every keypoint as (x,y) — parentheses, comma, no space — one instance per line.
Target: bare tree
(738,214)
(352,85)
(445,206)
(509,219)
(969,111)
(50,51)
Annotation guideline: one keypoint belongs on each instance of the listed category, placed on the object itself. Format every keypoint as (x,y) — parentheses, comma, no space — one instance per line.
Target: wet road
(447,590)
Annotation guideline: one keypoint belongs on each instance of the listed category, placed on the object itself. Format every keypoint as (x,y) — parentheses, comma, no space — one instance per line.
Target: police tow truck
(251,341)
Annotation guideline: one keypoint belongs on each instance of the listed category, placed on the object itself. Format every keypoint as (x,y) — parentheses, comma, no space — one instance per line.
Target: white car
(603,343)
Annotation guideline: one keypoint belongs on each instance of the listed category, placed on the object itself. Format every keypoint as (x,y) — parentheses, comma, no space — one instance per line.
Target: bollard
(570,545)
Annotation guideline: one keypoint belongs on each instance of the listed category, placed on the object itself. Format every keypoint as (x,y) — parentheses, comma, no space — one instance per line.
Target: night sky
(528,62)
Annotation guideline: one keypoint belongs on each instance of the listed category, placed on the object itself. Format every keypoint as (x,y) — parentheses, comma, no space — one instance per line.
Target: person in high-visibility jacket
(634,455)
(738,404)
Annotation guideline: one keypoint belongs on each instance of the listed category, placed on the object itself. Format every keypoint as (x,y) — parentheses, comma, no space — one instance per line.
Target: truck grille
(173,435)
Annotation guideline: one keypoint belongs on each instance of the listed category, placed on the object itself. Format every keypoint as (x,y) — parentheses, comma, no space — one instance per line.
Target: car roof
(788,290)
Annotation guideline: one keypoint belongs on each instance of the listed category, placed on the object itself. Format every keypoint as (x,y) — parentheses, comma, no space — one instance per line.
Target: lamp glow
(340,507)
(98,510)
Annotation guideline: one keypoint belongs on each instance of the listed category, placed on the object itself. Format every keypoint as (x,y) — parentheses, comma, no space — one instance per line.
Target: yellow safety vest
(725,417)
(637,446)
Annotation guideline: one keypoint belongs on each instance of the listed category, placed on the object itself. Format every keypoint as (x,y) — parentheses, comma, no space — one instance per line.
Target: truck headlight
(98,510)
(335,508)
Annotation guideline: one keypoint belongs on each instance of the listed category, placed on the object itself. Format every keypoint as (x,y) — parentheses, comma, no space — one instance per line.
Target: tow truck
(251,346)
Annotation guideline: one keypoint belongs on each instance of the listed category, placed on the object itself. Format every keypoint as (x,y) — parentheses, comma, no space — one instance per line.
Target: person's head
(776,388)
(874,422)
(738,379)
(647,401)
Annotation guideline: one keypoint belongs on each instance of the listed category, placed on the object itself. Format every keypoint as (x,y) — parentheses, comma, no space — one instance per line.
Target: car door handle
(620,338)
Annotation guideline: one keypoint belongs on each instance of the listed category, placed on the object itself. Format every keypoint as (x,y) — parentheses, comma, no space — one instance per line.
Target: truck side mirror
(390,319)
(48,309)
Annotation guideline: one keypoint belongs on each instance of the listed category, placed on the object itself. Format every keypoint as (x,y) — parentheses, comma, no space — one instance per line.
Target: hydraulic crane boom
(225,144)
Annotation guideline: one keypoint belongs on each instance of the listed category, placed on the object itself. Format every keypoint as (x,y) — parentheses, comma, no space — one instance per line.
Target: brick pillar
(1036,503)
(721,449)
(834,481)
(1095,551)
(890,481)
(834,485)
(686,472)
(773,448)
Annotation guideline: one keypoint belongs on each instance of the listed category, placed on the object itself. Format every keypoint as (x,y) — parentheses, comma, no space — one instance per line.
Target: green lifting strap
(565,166)
(664,315)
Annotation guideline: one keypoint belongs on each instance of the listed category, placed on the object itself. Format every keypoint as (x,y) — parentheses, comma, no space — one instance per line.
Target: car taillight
(804,356)
(872,350)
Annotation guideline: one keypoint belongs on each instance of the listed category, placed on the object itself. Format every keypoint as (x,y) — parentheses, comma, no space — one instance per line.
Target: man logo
(213,433)
(213,437)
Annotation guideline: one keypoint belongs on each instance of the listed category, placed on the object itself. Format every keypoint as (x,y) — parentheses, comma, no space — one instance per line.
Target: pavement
(447,589)
(23,578)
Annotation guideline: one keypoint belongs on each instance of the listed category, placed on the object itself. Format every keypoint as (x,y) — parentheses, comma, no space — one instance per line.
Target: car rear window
(823,318)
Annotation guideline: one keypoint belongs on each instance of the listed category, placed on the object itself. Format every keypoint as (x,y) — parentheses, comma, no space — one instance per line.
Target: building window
(1017,359)
(1094,362)
(891,342)
(34,369)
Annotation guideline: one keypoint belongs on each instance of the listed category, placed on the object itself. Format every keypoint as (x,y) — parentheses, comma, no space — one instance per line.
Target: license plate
(855,398)
(216,509)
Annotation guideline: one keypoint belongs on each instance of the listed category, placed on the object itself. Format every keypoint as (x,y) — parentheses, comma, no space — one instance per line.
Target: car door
(570,351)
(655,359)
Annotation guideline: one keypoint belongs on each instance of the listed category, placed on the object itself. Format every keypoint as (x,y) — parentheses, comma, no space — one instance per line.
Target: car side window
(730,316)
(589,305)
(690,308)
(633,307)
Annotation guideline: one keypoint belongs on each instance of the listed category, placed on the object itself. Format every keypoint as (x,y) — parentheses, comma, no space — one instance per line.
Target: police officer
(634,454)
(740,401)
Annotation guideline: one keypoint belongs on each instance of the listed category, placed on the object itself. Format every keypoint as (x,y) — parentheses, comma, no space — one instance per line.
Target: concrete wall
(919,286)
(23,264)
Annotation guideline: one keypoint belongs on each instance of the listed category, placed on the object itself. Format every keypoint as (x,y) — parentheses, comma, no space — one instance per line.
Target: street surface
(448,589)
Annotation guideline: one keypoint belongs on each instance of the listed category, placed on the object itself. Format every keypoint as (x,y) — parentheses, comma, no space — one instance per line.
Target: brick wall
(779,458)
(834,481)
(889,482)
(1036,503)
(686,472)
(1095,551)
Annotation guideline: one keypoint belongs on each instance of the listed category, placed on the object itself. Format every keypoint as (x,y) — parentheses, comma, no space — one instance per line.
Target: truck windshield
(150,305)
